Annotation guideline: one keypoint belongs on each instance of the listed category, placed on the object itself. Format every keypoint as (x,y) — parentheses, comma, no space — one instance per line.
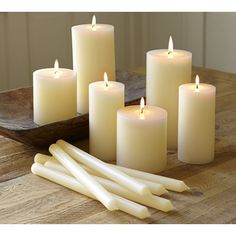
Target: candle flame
(94,23)
(105,79)
(197,81)
(56,68)
(170,46)
(142,106)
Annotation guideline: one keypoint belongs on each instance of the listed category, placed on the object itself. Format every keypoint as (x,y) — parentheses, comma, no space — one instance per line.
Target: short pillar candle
(105,98)
(196,136)
(54,94)
(167,69)
(141,138)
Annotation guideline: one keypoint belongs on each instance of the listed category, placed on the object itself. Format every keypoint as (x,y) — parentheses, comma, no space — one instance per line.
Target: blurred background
(30,41)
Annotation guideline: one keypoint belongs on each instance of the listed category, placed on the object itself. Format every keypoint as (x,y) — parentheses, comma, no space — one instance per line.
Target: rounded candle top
(93,27)
(148,113)
(170,53)
(55,73)
(105,85)
(163,53)
(198,87)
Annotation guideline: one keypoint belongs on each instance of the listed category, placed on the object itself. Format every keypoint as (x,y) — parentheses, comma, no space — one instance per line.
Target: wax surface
(104,101)
(93,54)
(87,180)
(141,140)
(196,142)
(155,188)
(152,201)
(168,183)
(104,168)
(164,76)
(54,98)
(73,184)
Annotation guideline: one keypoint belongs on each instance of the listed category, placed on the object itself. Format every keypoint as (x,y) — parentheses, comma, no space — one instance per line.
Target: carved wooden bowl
(16,115)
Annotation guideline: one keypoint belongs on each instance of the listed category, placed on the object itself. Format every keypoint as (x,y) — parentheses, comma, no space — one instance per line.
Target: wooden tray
(16,115)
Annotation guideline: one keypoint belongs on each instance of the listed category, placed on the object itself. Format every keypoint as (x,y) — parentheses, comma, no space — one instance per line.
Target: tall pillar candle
(93,53)
(105,98)
(141,138)
(167,69)
(196,139)
(54,94)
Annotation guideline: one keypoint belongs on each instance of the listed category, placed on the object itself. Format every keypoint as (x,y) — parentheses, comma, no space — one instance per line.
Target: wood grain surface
(25,198)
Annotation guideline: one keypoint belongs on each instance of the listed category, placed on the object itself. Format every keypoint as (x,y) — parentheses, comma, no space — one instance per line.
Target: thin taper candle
(73,184)
(80,174)
(100,166)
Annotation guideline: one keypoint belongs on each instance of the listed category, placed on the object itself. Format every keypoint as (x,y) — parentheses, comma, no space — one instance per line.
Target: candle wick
(56,73)
(170,54)
(197,88)
(142,111)
(106,83)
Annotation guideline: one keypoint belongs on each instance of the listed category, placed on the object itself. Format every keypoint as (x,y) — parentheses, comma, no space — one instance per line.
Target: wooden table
(25,198)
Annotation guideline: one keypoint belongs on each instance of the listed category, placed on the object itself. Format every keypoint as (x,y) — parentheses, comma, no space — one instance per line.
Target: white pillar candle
(141,138)
(73,184)
(155,188)
(196,141)
(54,94)
(166,71)
(93,53)
(105,98)
(104,168)
(87,180)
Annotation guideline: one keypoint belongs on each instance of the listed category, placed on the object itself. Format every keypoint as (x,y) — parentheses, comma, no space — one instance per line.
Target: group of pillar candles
(178,115)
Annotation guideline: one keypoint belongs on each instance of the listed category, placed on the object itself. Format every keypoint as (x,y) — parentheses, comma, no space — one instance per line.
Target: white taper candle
(151,201)
(104,168)
(155,188)
(73,184)
(79,173)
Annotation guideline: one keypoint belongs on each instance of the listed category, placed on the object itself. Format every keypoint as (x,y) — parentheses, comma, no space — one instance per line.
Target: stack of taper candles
(179,115)
(116,187)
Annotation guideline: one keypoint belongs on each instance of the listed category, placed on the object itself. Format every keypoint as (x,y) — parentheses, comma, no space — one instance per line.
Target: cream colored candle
(141,138)
(87,180)
(54,94)
(196,142)
(42,159)
(105,98)
(73,184)
(166,71)
(169,183)
(155,188)
(156,202)
(104,168)
(93,53)
(151,200)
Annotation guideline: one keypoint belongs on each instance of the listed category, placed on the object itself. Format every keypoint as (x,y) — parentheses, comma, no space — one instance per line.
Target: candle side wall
(196,140)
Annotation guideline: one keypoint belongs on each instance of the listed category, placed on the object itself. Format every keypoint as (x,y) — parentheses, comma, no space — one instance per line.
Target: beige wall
(29,41)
